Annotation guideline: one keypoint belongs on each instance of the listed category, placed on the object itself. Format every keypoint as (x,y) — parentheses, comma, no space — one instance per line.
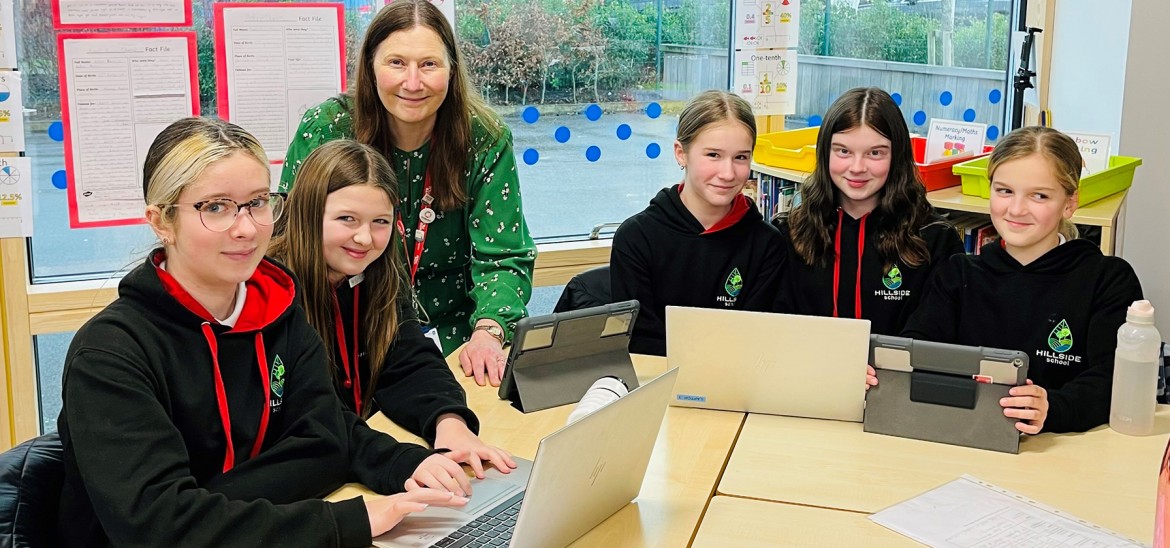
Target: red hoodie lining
(739,208)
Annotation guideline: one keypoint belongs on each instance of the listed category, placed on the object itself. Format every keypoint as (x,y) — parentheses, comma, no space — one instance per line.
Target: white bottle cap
(613,384)
(1140,312)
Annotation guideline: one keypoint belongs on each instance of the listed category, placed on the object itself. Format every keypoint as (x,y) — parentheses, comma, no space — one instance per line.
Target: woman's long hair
(451,142)
(332,167)
(902,205)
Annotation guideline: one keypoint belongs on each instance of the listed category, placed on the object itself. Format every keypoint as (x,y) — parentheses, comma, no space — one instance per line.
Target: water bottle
(1135,372)
(604,391)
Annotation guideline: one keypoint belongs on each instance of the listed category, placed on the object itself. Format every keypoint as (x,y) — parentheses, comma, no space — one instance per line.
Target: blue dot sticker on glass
(60,180)
(814,120)
(653,150)
(919,118)
(995,96)
(945,98)
(897,97)
(531,114)
(624,132)
(654,110)
(593,112)
(562,134)
(531,156)
(57,131)
(993,132)
(969,115)
(593,153)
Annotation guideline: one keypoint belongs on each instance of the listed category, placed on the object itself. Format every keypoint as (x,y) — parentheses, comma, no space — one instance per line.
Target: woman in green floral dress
(466,244)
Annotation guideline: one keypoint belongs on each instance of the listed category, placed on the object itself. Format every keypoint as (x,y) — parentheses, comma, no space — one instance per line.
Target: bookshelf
(1106,213)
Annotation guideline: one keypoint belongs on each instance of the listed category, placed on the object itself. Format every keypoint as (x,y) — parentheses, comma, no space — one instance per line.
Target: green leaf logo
(276,382)
(893,278)
(1060,340)
(734,283)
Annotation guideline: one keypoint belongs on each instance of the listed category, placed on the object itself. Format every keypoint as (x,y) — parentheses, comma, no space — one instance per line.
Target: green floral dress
(478,260)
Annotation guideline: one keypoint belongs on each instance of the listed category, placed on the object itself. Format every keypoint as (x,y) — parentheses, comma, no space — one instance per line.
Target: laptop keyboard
(492,529)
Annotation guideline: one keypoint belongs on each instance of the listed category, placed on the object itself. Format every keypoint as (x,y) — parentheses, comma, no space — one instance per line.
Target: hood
(668,209)
(1060,260)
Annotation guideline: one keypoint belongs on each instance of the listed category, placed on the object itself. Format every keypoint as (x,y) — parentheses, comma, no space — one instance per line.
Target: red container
(938,175)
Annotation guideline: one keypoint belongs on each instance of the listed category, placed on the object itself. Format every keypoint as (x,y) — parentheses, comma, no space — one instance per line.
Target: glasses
(220,215)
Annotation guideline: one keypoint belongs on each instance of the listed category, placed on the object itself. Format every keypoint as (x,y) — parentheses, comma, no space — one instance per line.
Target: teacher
(467,247)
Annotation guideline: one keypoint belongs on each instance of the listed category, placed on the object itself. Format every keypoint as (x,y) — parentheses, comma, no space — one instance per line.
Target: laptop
(582,474)
(759,362)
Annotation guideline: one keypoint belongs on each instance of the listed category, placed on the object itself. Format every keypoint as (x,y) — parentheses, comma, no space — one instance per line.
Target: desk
(689,455)
(1101,476)
(732,521)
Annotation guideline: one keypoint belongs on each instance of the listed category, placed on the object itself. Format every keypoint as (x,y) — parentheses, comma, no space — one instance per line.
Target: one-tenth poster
(118,91)
(766,78)
(273,62)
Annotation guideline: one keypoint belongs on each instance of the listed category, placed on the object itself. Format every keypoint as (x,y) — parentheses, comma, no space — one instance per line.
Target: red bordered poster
(273,62)
(120,14)
(118,91)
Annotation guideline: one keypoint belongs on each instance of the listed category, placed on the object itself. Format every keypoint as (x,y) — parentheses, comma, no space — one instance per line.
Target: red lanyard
(352,377)
(425,216)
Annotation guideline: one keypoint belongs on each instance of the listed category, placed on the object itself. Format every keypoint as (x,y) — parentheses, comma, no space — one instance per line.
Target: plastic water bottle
(1135,372)
(604,391)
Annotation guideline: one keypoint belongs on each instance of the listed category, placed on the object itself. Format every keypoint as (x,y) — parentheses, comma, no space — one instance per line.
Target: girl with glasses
(196,407)
(338,239)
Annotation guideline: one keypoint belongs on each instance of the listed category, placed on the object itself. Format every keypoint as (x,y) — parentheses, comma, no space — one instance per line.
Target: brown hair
(901,201)
(331,167)
(452,140)
(711,107)
(1062,153)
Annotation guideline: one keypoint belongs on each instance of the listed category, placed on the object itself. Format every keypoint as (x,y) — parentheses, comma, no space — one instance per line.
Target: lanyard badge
(426,216)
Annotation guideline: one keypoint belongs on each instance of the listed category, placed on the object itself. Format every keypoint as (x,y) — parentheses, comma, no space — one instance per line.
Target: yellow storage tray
(1118,177)
(792,149)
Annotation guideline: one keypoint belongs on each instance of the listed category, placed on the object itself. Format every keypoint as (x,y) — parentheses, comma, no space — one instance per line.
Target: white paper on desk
(279,62)
(16,213)
(969,513)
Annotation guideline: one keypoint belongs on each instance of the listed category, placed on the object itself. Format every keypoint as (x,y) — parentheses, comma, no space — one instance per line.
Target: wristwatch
(493,330)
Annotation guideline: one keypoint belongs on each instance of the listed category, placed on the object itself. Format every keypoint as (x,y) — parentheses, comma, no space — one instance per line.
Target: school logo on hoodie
(732,286)
(892,280)
(276,384)
(1060,340)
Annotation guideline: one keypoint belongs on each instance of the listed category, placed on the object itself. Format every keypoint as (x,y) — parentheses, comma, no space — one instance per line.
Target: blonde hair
(1062,153)
(299,245)
(711,107)
(181,152)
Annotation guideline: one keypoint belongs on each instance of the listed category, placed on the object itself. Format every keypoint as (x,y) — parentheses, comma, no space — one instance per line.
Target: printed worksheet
(16,213)
(11,113)
(767,80)
(121,13)
(767,24)
(277,61)
(7,36)
(118,92)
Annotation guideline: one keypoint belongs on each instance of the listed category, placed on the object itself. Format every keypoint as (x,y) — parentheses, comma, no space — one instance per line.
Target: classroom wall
(1145,132)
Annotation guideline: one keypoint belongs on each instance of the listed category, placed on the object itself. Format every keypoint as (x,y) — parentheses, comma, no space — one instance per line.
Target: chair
(31,475)
(589,288)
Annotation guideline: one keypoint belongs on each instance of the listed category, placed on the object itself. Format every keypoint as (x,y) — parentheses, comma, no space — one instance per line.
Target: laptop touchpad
(487,492)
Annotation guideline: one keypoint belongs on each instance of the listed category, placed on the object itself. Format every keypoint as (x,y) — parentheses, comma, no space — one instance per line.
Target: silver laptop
(778,364)
(581,475)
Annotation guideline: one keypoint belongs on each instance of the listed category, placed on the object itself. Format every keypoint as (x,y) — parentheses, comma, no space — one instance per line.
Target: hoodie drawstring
(352,375)
(229,458)
(837,264)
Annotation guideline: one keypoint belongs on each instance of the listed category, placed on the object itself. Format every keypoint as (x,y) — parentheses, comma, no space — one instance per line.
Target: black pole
(1024,76)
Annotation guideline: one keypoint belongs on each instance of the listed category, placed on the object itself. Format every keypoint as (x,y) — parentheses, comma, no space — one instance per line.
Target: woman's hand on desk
(1029,403)
(483,356)
(386,512)
(870,377)
(442,472)
(452,433)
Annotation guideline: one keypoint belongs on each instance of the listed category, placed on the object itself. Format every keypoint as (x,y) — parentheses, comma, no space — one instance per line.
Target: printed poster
(273,62)
(74,14)
(118,91)
(948,139)
(767,80)
(7,36)
(16,213)
(767,24)
(11,113)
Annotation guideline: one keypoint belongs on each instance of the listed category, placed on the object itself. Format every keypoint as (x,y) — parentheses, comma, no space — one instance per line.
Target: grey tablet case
(556,358)
(943,392)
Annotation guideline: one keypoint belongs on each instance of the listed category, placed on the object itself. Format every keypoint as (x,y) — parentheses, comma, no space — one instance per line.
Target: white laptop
(581,475)
(778,364)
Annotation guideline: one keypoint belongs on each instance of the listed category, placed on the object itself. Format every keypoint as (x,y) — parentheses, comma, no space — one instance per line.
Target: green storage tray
(1118,177)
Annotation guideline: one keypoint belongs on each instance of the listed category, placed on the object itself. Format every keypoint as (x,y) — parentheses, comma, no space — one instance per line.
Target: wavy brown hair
(1061,152)
(902,206)
(331,167)
(451,141)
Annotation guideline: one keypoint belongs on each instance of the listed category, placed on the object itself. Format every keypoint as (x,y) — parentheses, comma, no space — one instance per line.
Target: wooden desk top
(1101,476)
(732,521)
(689,455)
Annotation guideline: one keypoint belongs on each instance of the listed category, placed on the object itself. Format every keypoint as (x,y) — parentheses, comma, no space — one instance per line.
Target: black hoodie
(663,256)
(415,385)
(151,385)
(887,296)
(1063,310)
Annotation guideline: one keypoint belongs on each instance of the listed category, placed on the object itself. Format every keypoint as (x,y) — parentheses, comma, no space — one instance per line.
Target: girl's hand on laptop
(442,472)
(1029,403)
(870,377)
(386,512)
(451,433)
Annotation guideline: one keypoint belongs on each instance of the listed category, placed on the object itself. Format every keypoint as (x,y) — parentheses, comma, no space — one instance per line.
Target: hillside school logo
(734,283)
(893,278)
(1060,340)
(276,383)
